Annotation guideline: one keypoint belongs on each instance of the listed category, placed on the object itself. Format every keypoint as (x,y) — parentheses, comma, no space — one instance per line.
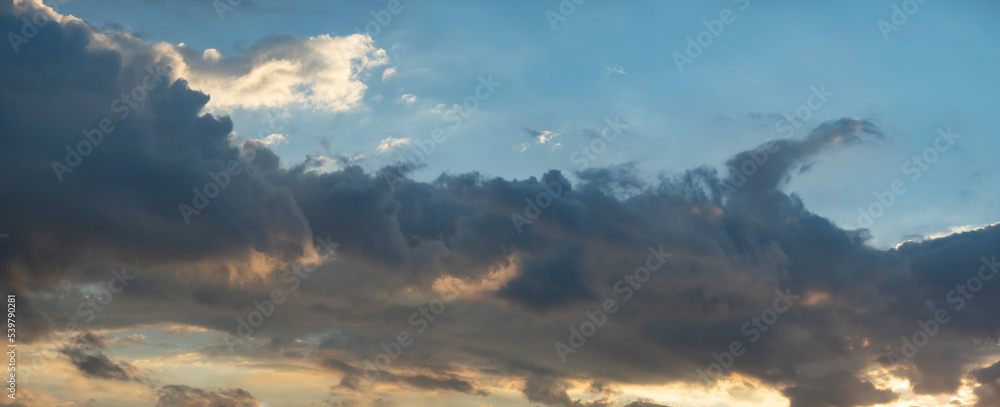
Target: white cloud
(390,143)
(617,69)
(546,137)
(439,109)
(274,139)
(212,54)
(321,72)
(408,98)
(388,74)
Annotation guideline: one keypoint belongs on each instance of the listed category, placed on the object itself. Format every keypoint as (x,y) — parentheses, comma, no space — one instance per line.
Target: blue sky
(610,60)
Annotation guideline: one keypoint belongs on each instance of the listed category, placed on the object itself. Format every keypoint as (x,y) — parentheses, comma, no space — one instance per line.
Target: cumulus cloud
(323,72)
(212,54)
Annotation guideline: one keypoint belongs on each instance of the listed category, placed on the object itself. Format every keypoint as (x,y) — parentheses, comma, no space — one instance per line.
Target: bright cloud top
(323,72)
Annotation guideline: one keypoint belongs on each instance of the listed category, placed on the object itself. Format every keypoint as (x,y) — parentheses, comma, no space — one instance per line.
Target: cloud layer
(734,238)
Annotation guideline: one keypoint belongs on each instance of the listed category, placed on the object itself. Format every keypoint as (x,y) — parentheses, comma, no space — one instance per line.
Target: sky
(567,203)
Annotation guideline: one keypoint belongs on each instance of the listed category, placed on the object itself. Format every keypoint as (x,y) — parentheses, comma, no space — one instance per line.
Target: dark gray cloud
(645,404)
(853,392)
(186,396)
(554,393)
(84,352)
(989,389)
(356,378)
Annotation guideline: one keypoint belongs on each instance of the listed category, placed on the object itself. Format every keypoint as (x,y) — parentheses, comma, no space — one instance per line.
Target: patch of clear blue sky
(939,69)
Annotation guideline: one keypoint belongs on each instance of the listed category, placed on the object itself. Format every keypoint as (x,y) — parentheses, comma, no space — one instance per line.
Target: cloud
(323,72)
(554,393)
(400,237)
(642,403)
(390,143)
(616,70)
(989,381)
(185,396)
(389,73)
(540,137)
(274,139)
(852,392)
(84,352)
(440,382)
(408,98)
(212,54)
